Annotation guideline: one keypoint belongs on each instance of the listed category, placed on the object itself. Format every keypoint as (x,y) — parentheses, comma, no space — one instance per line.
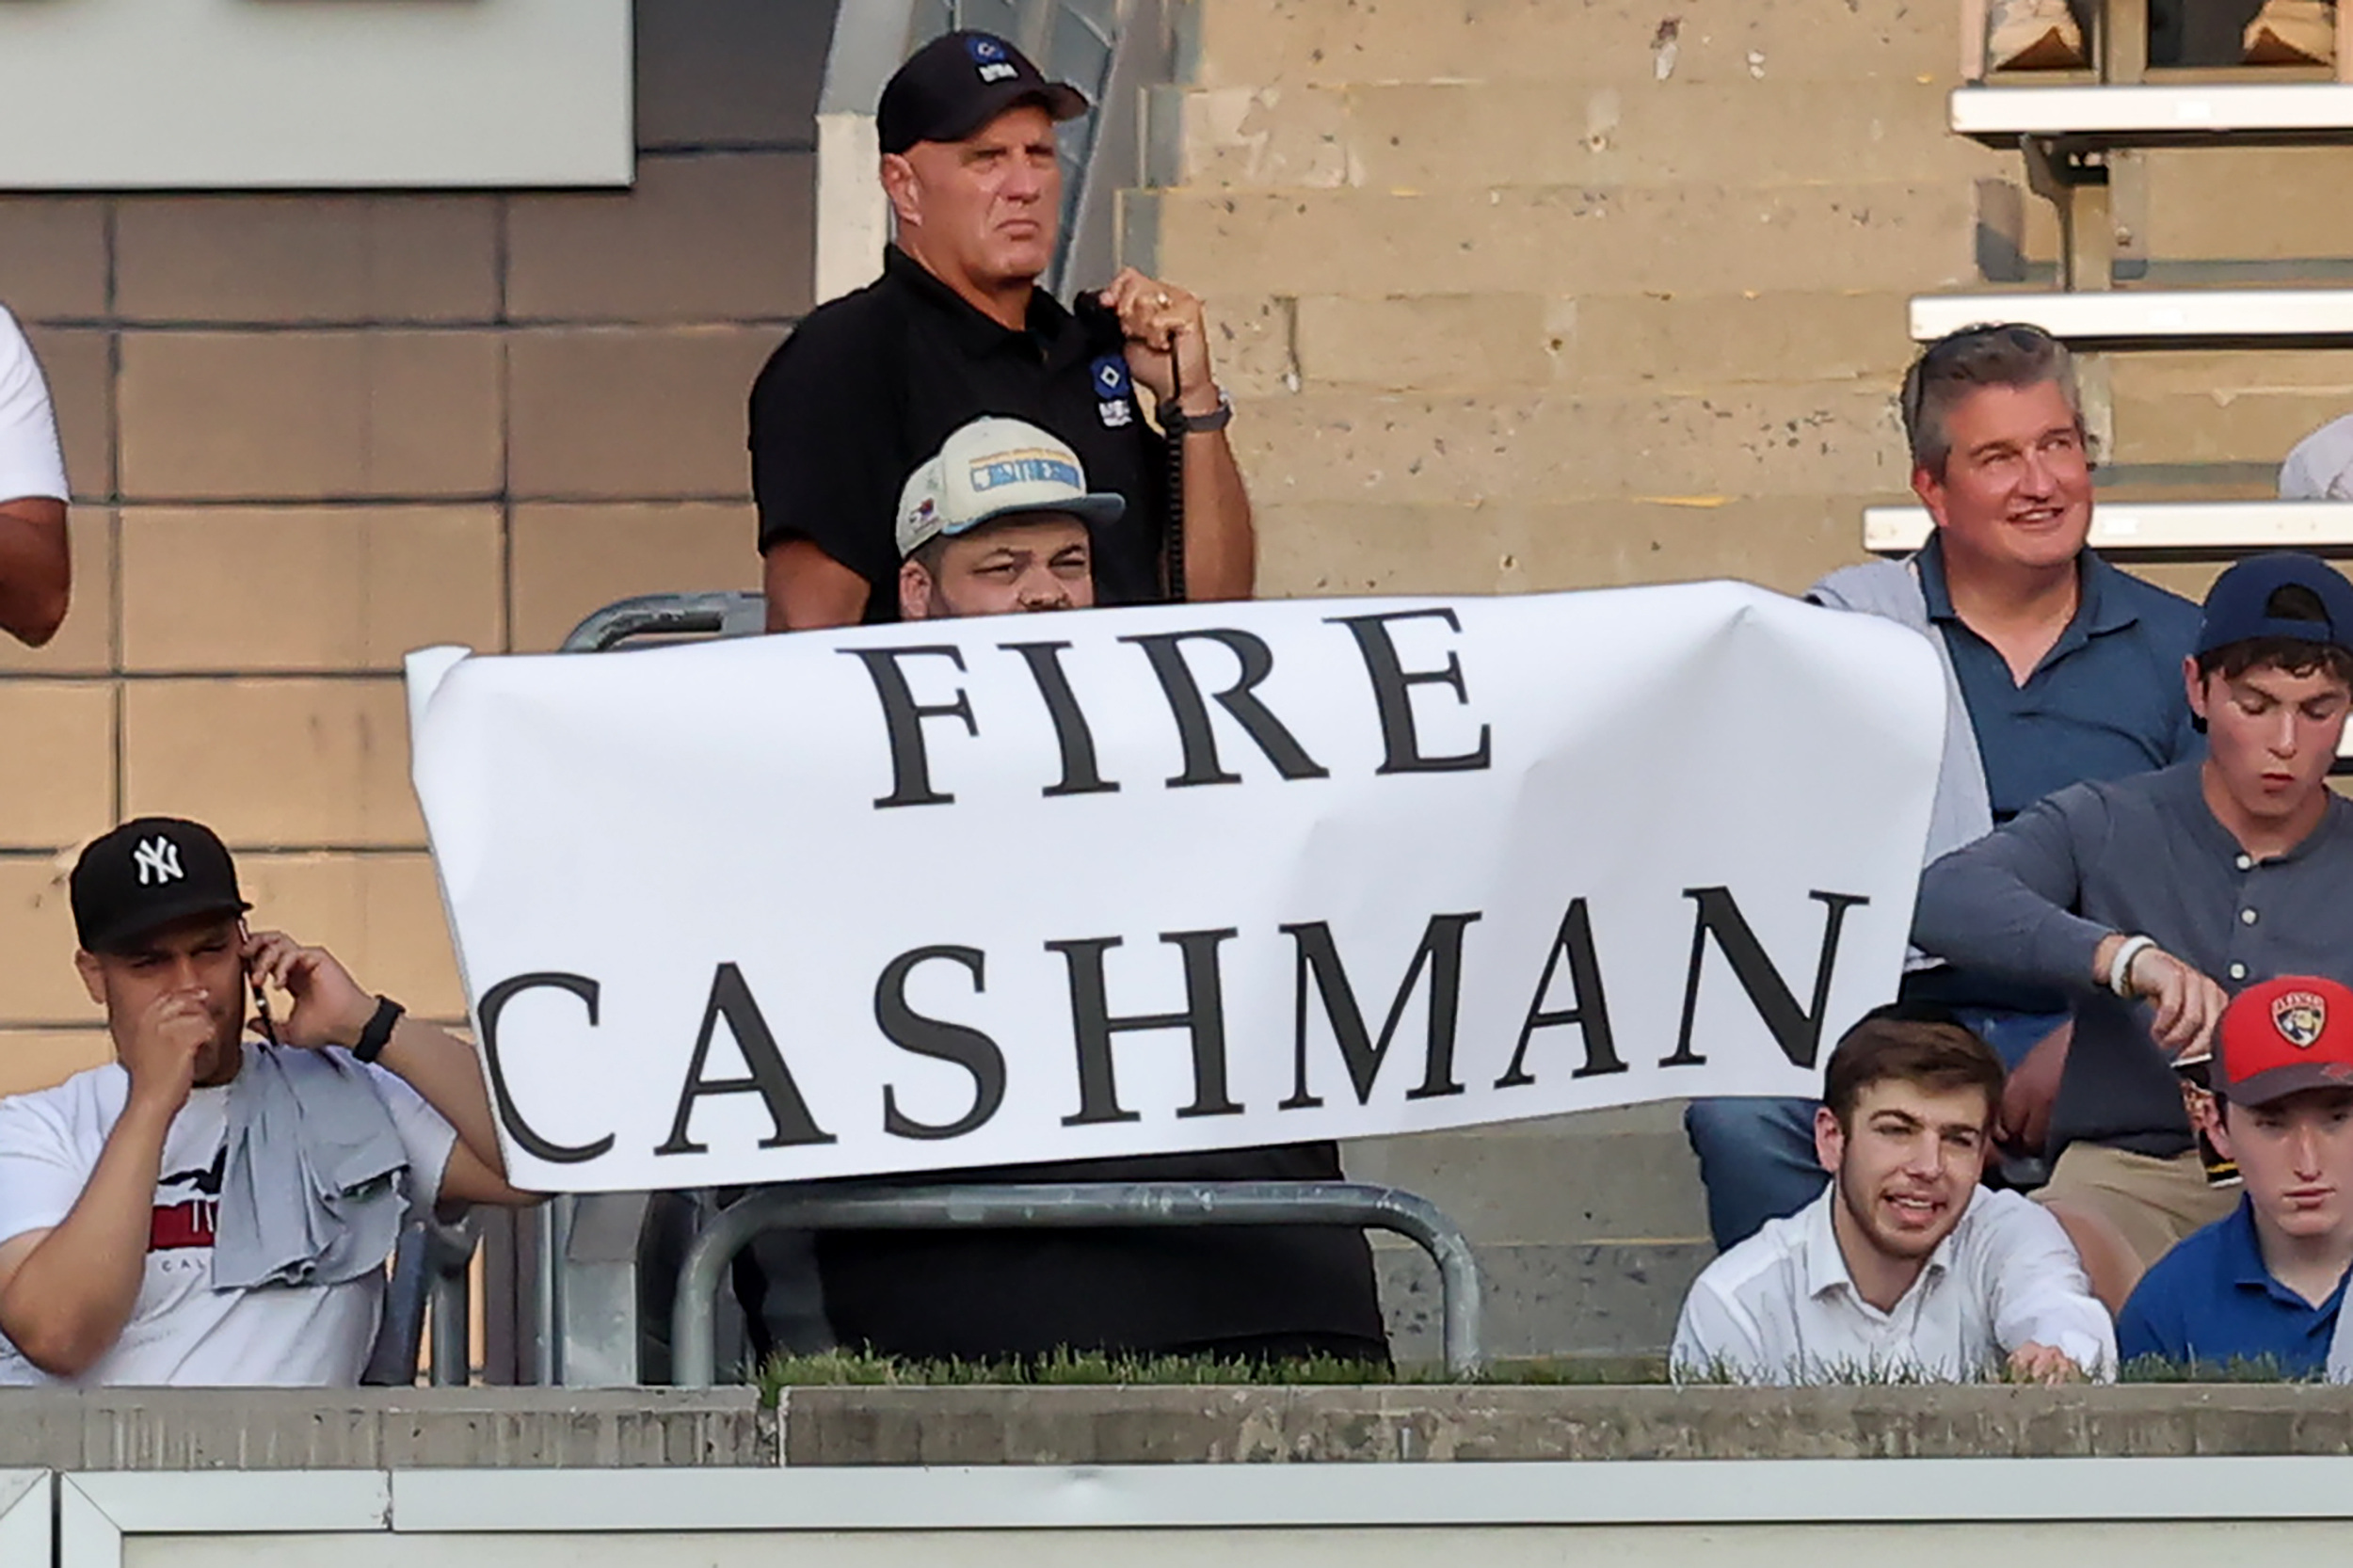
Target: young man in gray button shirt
(2149,897)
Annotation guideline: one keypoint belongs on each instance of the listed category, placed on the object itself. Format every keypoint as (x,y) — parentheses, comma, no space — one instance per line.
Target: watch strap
(1175,419)
(378,1032)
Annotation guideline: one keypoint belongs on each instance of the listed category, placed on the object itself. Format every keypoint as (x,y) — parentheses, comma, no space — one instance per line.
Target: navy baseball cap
(958,83)
(146,874)
(2238,605)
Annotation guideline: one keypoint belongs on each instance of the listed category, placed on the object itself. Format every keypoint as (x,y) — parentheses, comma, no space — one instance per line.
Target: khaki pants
(2152,1203)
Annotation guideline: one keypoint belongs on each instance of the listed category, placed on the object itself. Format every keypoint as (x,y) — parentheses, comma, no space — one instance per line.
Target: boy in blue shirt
(2266,1283)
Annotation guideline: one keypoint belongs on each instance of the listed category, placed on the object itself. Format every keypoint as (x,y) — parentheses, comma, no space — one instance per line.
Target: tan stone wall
(307,434)
(1545,294)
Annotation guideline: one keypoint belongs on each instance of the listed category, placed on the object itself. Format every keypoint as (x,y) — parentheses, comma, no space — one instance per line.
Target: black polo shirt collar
(1050,334)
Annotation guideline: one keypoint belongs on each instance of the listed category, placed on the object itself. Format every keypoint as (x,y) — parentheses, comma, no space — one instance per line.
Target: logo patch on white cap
(1000,469)
(992,467)
(2300,1017)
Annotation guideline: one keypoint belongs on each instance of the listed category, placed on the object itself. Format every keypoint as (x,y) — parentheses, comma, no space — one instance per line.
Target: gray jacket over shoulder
(1891,590)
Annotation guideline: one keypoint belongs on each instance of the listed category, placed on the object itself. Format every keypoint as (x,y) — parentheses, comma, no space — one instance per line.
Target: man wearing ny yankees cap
(958,326)
(216,1206)
(2265,1285)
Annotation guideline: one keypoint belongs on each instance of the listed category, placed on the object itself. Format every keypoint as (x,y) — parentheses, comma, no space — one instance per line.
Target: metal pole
(1173,1202)
(449,1254)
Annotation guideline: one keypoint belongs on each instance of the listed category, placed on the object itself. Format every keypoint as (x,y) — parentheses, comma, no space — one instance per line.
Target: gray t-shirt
(2033,899)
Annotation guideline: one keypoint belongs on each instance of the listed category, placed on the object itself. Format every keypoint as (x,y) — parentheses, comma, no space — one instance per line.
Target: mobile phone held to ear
(261,998)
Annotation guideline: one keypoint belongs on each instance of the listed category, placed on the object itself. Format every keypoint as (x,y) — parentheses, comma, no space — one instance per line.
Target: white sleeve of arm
(31,464)
(2041,1294)
(424,1133)
(1716,1341)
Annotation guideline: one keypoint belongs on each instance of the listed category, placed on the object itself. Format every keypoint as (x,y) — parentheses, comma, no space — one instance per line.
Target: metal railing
(429,1290)
(1089,1205)
(725,614)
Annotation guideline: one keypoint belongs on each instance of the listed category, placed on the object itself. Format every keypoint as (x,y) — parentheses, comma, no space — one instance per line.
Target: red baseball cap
(2284,1036)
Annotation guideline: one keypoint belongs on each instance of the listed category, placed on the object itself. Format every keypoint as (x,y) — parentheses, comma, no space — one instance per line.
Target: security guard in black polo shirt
(956,327)
(862,395)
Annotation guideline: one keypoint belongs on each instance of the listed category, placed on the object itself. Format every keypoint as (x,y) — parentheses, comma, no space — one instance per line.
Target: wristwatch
(1177,420)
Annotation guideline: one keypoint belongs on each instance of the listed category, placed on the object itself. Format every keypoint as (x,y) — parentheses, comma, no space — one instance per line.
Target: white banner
(980,891)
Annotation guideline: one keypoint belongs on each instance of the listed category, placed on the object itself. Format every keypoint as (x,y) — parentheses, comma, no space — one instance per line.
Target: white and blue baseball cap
(997,468)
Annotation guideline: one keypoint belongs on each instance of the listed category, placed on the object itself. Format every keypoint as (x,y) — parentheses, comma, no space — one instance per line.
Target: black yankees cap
(146,874)
(958,83)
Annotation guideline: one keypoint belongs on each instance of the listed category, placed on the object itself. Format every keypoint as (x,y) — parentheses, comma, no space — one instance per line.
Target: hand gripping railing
(1064,1206)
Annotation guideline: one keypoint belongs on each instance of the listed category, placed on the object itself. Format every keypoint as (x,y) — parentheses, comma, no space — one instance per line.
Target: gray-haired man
(2060,670)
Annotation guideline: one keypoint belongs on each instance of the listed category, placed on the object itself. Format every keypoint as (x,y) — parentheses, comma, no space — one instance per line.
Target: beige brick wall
(1540,293)
(307,434)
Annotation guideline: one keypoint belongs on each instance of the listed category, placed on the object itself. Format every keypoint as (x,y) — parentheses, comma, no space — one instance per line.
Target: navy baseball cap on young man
(958,83)
(2238,606)
(146,874)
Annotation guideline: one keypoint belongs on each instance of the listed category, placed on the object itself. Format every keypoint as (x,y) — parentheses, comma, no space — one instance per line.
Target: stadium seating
(2078,141)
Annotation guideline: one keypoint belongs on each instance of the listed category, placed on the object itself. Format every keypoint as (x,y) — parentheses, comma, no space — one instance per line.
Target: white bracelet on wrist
(2121,966)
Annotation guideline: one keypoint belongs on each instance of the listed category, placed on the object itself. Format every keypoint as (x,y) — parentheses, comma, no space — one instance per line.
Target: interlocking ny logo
(158,860)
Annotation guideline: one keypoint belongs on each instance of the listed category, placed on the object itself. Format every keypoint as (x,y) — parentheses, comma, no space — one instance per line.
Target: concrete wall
(308,433)
(215,1430)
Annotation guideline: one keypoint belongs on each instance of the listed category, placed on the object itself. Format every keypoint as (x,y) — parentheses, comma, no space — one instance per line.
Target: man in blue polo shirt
(2058,668)
(2266,1283)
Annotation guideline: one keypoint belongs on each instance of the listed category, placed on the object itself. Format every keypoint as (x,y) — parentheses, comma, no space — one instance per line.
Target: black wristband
(378,1032)
(1176,419)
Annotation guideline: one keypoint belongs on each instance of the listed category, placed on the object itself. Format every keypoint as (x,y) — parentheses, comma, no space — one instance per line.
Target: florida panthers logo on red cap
(2300,1017)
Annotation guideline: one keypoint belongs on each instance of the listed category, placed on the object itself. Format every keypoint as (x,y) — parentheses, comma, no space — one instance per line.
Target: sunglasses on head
(1953,346)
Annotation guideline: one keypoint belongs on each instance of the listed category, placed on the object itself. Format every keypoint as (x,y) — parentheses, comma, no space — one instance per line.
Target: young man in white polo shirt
(35,575)
(1905,1266)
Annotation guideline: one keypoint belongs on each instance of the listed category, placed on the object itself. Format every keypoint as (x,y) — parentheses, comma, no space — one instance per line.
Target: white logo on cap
(998,72)
(158,860)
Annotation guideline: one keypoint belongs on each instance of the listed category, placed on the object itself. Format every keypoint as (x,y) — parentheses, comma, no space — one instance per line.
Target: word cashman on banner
(968,893)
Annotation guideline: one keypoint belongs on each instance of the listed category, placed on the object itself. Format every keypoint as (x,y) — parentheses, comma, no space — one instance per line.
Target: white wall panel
(316,94)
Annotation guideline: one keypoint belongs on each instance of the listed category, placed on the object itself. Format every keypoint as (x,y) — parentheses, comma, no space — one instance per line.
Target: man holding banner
(997,521)
(2059,668)
(2151,898)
